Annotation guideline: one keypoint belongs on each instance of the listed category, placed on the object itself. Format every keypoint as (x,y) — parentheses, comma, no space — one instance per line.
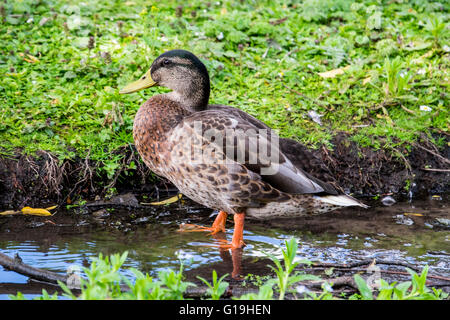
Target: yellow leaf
(167,201)
(36,211)
(4,213)
(413,214)
(31,59)
(367,80)
(333,73)
(223,11)
(51,208)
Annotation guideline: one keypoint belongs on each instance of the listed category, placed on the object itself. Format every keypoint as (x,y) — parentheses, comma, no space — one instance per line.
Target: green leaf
(366,292)
(374,21)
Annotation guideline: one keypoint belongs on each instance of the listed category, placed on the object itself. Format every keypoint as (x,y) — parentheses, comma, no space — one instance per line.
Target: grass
(62,63)
(102,280)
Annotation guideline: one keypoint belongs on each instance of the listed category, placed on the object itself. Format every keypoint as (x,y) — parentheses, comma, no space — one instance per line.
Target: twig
(363,263)
(407,164)
(352,267)
(407,110)
(279,21)
(18,266)
(429,276)
(437,170)
(336,282)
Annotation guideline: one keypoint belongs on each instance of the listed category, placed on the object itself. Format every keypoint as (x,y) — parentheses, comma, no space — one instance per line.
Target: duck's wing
(299,155)
(255,147)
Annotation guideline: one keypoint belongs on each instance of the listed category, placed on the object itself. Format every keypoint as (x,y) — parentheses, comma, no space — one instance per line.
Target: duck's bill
(144,82)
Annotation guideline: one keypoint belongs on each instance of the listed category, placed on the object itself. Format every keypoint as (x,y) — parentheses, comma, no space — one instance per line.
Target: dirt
(42,179)
(369,172)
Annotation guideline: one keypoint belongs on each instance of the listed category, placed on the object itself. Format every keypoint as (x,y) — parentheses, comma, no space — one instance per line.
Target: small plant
(285,277)
(409,290)
(265,292)
(103,279)
(45,296)
(285,280)
(218,287)
(326,293)
(397,78)
(436,27)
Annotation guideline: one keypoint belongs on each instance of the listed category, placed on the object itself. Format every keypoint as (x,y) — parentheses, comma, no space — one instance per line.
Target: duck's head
(181,71)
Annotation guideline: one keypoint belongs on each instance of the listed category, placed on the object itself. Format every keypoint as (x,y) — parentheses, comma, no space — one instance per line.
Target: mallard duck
(212,153)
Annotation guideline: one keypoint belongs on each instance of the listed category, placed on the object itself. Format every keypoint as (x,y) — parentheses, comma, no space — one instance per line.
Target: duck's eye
(166,62)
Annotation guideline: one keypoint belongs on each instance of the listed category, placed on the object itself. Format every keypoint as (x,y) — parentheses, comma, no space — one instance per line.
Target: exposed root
(434,153)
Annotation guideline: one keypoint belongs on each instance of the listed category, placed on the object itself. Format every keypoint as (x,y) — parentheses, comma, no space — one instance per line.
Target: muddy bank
(362,171)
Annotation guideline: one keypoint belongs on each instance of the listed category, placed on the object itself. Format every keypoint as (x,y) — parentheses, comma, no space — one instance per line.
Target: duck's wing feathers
(299,155)
(253,146)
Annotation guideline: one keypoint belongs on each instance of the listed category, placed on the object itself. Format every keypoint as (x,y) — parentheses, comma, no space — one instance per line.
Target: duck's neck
(192,96)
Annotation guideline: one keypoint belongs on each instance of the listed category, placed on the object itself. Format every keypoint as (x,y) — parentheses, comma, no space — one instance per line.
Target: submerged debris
(401,219)
(442,222)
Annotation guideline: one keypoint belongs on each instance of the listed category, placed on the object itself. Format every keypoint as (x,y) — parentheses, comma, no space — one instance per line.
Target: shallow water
(415,233)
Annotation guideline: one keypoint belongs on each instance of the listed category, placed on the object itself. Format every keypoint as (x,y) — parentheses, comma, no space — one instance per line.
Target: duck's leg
(217,226)
(238,235)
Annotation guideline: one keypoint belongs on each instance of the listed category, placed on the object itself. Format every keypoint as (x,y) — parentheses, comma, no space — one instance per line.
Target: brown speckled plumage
(164,129)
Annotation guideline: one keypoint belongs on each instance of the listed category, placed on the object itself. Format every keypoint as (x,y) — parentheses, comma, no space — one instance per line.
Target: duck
(222,157)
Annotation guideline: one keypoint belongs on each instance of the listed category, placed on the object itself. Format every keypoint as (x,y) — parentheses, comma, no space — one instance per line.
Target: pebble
(368,244)
(141,220)
(102,213)
(388,201)
(35,224)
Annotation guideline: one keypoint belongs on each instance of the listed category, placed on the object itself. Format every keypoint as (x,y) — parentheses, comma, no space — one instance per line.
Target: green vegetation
(285,279)
(103,281)
(408,290)
(218,287)
(62,63)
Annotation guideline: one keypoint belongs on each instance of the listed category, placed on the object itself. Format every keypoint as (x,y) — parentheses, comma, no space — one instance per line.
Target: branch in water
(18,266)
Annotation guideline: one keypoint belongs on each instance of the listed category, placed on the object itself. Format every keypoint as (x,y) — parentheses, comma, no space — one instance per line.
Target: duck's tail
(342,200)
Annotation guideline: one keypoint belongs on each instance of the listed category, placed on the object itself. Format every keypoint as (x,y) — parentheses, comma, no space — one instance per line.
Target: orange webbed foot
(187,227)
(218,225)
